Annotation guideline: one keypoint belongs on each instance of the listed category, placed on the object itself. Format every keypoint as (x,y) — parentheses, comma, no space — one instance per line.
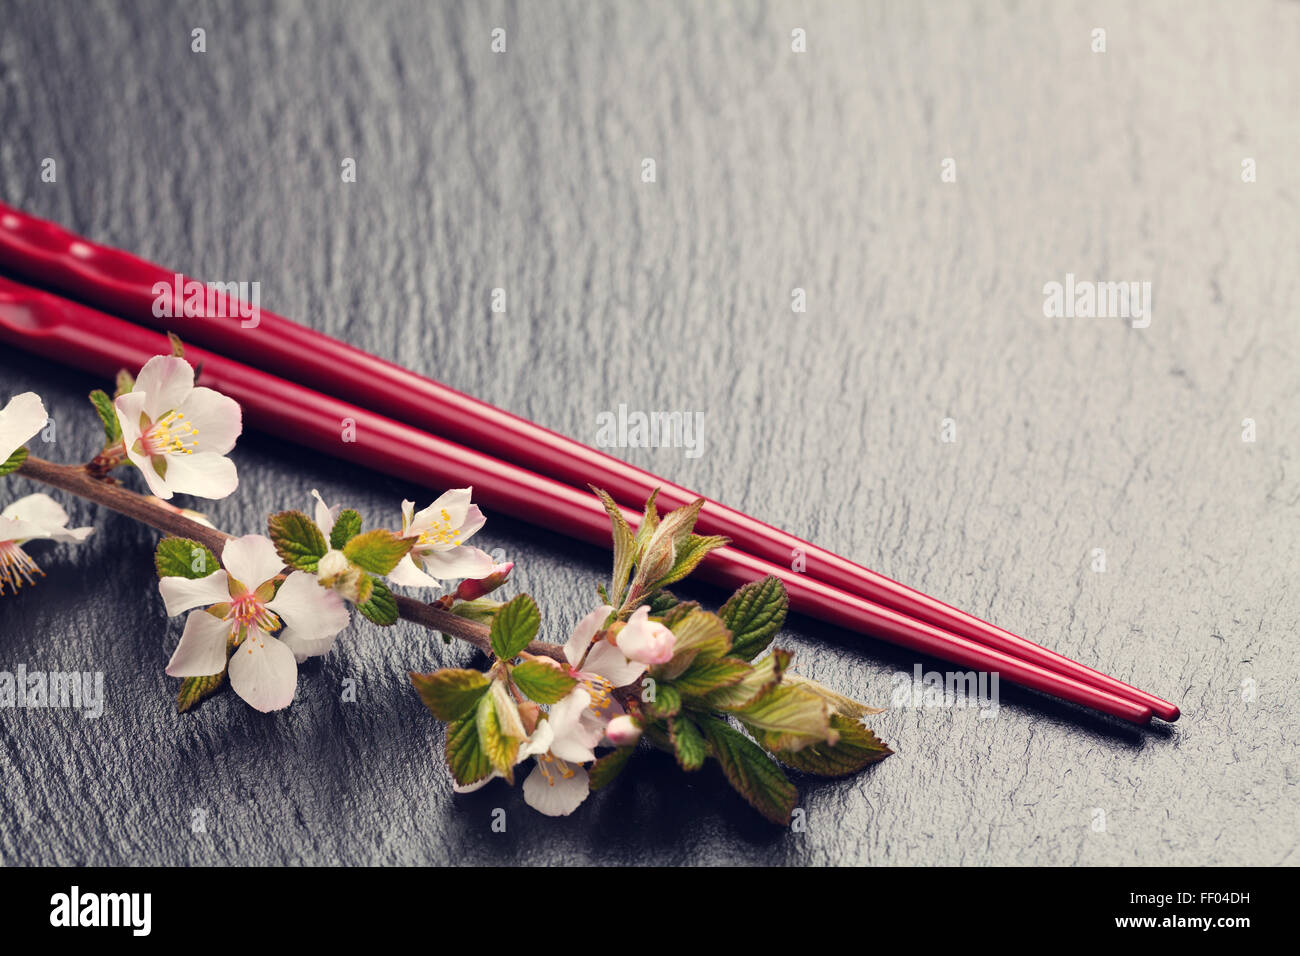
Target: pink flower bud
(623,731)
(471,589)
(646,641)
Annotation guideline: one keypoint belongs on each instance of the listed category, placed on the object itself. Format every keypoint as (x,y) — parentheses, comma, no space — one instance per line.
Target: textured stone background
(775,171)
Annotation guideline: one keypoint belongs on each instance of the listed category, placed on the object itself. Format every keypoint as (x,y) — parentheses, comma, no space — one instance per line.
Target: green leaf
(542,682)
(13,462)
(606,768)
(689,745)
(108,415)
(297,540)
(764,675)
(450,693)
(857,746)
(699,634)
(667,702)
(184,558)
(380,607)
(465,755)
(705,676)
(346,527)
(194,689)
(124,383)
(625,550)
(788,717)
(661,602)
(689,555)
(499,748)
(514,626)
(178,347)
(839,703)
(754,614)
(377,551)
(751,773)
(480,609)
(649,523)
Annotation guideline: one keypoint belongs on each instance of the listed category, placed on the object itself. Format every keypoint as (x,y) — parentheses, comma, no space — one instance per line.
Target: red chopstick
(74,334)
(116,281)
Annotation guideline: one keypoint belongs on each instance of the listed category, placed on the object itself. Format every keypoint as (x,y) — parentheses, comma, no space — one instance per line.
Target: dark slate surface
(775,171)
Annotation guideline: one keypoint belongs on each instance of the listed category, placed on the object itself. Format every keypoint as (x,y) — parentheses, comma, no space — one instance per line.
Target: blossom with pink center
(440,532)
(177,434)
(244,607)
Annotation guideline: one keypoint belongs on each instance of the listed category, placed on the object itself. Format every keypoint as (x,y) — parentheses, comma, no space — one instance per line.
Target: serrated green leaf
(514,626)
(689,555)
(297,540)
(625,550)
(649,523)
(377,551)
(450,693)
(184,558)
(856,747)
(764,675)
(705,676)
(661,602)
(346,527)
(380,607)
(689,745)
(499,747)
(13,462)
(108,415)
(699,635)
(602,773)
(123,384)
(542,682)
(754,614)
(751,772)
(667,702)
(195,689)
(465,755)
(788,717)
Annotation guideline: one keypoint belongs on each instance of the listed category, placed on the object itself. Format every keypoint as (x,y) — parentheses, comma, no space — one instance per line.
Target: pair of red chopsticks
(305,383)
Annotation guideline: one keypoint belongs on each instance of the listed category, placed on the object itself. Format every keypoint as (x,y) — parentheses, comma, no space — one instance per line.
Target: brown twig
(78,480)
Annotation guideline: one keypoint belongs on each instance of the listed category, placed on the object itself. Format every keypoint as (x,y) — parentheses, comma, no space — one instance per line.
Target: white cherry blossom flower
(20,419)
(243,605)
(178,435)
(34,518)
(440,552)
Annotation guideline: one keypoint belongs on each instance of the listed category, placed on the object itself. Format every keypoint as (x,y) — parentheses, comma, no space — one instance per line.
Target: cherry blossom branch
(79,480)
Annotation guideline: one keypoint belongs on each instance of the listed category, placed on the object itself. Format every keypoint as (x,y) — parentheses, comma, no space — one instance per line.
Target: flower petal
(538,743)
(583,633)
(407,575)
(473,521)
(263,672)
(217,420)
(325,516)
(39,509)
(251,560)
(165,381)
(202,650)
(20,419)
(129,409)
(204,474)
(555,794)
(608,661)
(312,615)
(182,594)
(458,562)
